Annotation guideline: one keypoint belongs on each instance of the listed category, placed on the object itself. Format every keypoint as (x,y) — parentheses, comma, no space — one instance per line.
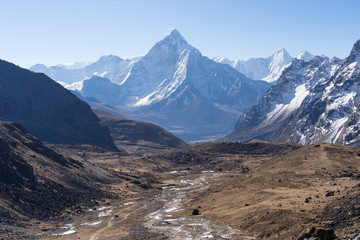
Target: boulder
(196,212)
(319,234)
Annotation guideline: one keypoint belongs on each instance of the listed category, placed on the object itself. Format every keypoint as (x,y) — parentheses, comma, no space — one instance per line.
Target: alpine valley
(82,155)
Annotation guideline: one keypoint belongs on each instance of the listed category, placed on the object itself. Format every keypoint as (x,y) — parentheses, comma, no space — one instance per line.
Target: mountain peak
(173,43)
(305,56)
(281,53)
(38,68)
(175,37)
(356,49)
(110,57)
(175,32)
(304,52)
(281,50)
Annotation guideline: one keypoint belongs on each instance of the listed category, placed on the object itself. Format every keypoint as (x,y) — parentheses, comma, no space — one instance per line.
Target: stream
(161,219)
(160,215)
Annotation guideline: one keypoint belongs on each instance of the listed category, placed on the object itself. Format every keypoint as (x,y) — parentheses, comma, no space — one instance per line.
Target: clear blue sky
(60,31)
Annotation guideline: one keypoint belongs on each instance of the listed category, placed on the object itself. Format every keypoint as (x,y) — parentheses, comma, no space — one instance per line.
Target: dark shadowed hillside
(38,183)
(47,110)
(138,137)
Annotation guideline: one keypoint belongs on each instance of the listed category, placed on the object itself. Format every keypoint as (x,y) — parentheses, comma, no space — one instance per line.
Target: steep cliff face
(47,110)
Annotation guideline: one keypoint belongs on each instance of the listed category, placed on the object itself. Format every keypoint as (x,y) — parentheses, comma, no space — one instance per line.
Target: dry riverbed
(160,216)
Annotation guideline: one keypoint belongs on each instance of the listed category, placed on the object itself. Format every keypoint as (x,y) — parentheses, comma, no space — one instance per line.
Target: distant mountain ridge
(116,69)
(174,86)
(72,75)
(267,69)
(312,102)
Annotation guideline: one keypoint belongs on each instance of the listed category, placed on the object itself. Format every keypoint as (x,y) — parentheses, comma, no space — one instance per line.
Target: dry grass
(269,201)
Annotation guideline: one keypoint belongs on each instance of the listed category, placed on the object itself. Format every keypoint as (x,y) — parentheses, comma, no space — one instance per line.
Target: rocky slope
(38,183)
(312,102)
(138,137)
(47,110)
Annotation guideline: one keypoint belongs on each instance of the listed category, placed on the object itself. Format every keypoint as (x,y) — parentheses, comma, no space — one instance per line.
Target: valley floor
(159,216)
(239,194)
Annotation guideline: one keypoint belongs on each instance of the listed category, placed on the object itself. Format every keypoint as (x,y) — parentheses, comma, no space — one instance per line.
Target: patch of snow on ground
(70,230)
(92,224)
(105,213)
(67,232)
(207,236)
(103,208)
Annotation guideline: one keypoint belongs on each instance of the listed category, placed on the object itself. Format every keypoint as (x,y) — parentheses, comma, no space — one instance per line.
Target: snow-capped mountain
(175,86)
(158,65)
(316,101)
(305,56)
(74,65)
(71,75)
(267,69)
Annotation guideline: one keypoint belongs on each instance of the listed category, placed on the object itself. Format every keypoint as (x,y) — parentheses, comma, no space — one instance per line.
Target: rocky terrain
(51,191)
(226,155)
(222,190)
(313,186)
(152,185)
(38,184)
